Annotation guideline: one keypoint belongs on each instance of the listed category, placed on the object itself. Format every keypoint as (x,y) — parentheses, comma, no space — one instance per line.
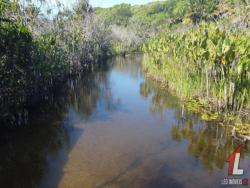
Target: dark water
(115,128)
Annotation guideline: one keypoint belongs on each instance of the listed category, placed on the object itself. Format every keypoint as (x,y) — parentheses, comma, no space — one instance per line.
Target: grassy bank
(209,68)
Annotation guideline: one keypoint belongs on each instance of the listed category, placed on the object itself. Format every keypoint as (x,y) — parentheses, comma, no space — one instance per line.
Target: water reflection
(115,128)
(207,142)
(161,99)
(92,93)
(131,65)
(24,151)
(34,155)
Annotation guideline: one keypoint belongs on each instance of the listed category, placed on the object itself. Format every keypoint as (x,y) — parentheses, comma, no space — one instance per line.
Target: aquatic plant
(207,62)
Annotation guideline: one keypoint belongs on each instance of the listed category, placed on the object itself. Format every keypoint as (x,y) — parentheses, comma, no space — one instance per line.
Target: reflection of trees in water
(161,99)
(85,92)
(90,90)
(25,150)
(208,142)
(130,65)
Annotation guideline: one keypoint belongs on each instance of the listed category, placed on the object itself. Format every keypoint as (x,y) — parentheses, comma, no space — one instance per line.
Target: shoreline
(197,105)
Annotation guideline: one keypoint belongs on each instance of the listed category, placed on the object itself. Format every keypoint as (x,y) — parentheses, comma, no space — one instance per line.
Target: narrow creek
(116,128)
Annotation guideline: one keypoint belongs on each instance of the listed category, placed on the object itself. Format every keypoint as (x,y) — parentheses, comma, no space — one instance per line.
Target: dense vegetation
(38,54)
(199,48)
(206,61)
(132,25)
(209,62)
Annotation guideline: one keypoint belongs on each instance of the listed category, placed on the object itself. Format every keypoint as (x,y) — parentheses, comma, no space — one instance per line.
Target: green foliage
(119,14)
(38,53)
(207,61)
(33,63)
(201,8)
(181,8)
(147,20)
(156,13)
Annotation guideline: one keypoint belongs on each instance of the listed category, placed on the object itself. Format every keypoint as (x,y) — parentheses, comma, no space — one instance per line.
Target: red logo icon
(234,161)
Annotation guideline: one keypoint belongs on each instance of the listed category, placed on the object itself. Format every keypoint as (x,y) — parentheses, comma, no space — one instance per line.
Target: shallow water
(115,128)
